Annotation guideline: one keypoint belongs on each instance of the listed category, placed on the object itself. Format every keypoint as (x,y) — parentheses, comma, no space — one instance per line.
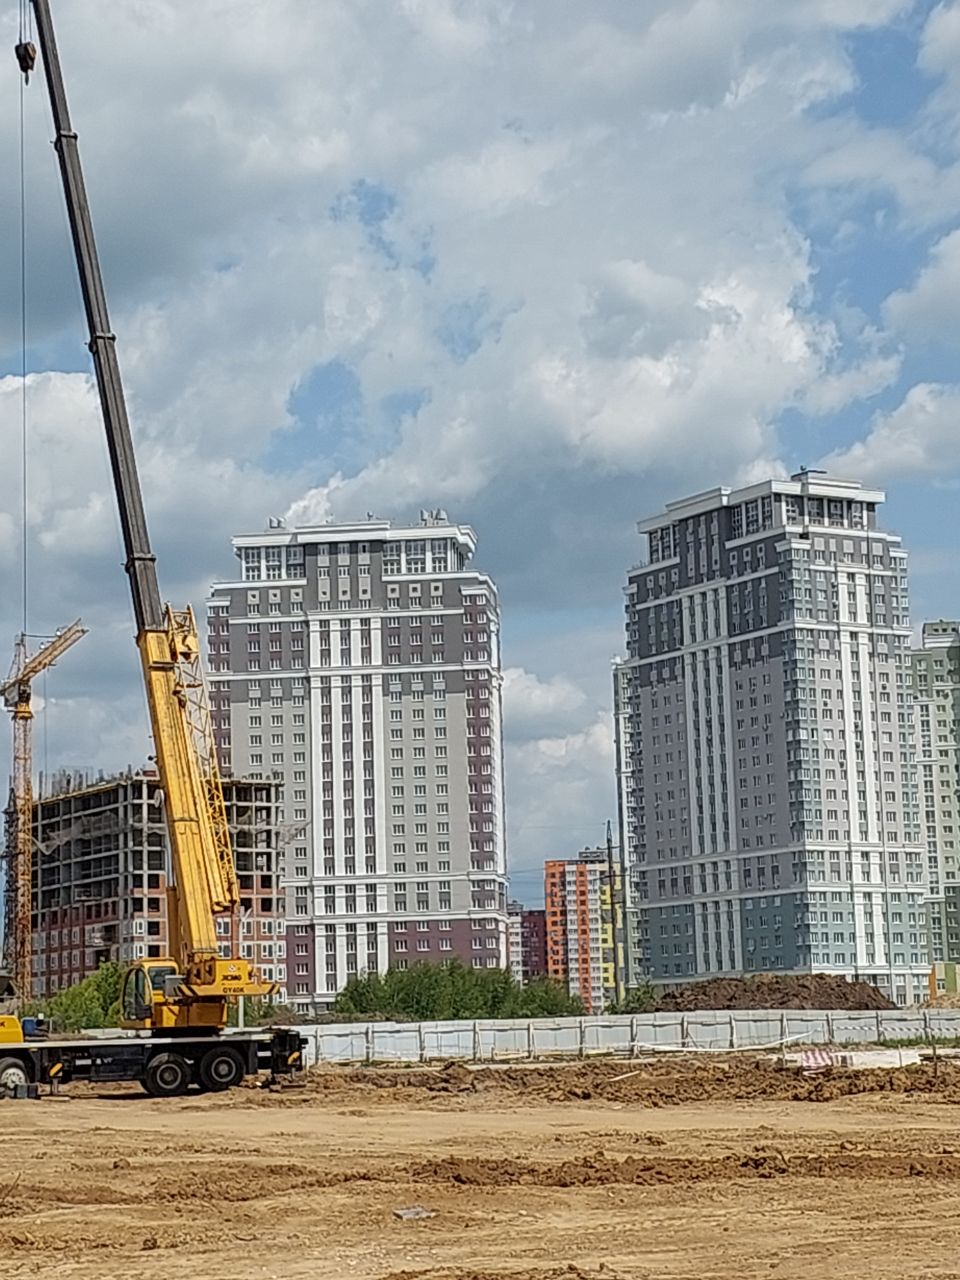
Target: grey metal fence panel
(497,1041)
(704,1030)
(610,1035)
(394,1043)
(944,1023)
(849,1027)
(755,1026)
(901,1024)
(557,1036)
(807,1026)
(663,1029)
(341,1043)
(625,1036)
(453,1040)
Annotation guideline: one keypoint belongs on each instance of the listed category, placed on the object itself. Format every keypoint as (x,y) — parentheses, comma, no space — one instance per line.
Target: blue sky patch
(327,407)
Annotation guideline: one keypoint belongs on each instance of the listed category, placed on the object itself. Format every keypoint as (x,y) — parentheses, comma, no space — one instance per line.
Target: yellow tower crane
(18,888)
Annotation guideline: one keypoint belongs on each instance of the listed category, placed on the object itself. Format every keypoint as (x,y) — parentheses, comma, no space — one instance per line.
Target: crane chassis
(165,1066)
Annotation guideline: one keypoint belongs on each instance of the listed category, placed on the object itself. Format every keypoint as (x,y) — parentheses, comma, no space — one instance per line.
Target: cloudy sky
(543,263)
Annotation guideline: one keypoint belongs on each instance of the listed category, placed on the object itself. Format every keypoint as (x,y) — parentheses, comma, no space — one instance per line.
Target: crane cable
(26,39)
(26,34)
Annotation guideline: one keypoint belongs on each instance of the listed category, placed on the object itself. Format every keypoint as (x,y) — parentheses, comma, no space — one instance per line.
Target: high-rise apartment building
(580,926)
(526,942)
(515,940)
(100,877)
(533,944)
(360,664)
(936,698)
(768,805)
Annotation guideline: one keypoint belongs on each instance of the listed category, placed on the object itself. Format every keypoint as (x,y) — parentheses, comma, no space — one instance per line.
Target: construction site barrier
(623,1036)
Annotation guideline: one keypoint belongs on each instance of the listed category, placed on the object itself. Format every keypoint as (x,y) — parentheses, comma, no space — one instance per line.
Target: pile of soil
(945,1001)
(774,991)
(676,1082)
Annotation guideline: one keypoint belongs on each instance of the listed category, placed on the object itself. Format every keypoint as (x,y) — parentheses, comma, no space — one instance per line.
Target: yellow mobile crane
(180,1000)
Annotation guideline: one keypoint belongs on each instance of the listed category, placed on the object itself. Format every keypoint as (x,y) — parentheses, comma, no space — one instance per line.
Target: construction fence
(626,1036)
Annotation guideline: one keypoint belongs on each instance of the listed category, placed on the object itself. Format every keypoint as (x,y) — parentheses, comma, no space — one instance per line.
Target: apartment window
(273,558)
(251,563)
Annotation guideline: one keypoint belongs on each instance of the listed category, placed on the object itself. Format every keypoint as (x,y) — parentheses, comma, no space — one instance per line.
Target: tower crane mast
(18,887)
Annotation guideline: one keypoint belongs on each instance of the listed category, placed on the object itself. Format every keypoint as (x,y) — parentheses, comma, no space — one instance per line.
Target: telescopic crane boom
(190,989)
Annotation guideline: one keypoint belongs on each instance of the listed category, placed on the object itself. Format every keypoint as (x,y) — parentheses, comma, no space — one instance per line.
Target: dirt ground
(600,1171)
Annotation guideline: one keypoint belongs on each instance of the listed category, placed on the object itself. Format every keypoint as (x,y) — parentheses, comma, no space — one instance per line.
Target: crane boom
(140,562)
(191,988)
(43,658)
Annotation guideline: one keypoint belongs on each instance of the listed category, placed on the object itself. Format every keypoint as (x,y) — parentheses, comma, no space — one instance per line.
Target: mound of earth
(774,991)
(677,1081)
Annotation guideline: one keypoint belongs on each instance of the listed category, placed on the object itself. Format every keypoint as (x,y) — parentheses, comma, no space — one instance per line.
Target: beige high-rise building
(359,664)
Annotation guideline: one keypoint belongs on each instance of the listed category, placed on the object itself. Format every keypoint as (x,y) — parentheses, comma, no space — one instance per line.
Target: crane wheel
(12,1073)
(167,1076)
(221,1069)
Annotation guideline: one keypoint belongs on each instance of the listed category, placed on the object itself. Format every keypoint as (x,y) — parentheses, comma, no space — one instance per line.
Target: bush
(94,1002)
(439,992)
(639,999)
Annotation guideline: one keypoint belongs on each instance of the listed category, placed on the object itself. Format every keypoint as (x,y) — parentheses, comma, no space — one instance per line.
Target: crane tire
(13,1072)
(221,1069)
(167,1076)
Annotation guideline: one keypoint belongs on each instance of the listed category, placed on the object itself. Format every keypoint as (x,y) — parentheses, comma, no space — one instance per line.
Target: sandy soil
(594,1172)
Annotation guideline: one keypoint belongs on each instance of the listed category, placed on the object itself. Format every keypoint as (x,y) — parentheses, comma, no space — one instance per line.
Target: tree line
(451,990)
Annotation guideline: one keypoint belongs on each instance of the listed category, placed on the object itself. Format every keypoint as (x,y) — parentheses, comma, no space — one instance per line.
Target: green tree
(639,999)
(545,998)
(440,992)
(94,1002)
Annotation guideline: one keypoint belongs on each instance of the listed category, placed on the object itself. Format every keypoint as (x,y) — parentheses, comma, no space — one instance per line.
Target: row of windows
(491,962)
(272,563)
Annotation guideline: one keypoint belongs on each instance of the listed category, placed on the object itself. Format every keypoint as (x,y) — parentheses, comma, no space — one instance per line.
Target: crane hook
(26,53)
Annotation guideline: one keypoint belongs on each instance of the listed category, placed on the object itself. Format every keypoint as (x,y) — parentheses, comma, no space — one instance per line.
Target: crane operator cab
(144,985)
(158,996)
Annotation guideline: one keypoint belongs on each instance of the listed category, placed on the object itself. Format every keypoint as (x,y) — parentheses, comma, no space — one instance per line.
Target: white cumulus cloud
(921,436)
(532,706)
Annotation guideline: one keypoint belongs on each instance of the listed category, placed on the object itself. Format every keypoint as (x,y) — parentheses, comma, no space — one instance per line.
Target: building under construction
(100,876)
